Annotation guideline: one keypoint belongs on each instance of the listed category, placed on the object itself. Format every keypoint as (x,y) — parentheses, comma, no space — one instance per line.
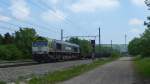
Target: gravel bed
(13,73)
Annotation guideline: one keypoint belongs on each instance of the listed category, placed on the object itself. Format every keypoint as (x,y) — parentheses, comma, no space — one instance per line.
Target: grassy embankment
(142,67)
(69,73)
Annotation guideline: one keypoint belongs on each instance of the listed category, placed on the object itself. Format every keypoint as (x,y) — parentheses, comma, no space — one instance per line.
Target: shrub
(10,52)
(115,54)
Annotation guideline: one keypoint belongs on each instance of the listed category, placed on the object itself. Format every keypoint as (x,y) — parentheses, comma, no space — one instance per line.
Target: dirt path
(117,72)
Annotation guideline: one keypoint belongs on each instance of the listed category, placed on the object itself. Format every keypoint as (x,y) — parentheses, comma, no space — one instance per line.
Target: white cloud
(138,2)
(53,16)
(93,5)
(135,22)
(19,9)
(4,18)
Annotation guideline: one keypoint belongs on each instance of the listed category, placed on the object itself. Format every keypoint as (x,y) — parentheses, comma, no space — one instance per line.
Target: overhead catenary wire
(34,24)
(6,28)
(45,6)
(10,29)
(21,26)
(18,26)
(5,3)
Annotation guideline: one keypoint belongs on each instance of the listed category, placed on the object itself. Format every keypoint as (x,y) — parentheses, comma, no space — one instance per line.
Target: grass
(1,82)
(66,74)
(142,67)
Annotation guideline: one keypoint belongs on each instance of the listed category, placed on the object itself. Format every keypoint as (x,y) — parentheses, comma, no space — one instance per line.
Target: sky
(76,17)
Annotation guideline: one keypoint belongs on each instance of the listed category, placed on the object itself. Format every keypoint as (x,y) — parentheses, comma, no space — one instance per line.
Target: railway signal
(93,50)
(93,43)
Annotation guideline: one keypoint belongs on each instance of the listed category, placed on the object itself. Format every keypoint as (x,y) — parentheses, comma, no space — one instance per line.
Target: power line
(28,22)
(18,26)
(45,7)
(54,11)
(80,37)
(6,28)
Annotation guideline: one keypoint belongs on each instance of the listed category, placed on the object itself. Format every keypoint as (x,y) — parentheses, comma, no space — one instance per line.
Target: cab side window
(75,49)
(58,46)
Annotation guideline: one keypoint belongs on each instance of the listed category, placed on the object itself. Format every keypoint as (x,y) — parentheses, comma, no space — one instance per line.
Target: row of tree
(17,45)
(141,45)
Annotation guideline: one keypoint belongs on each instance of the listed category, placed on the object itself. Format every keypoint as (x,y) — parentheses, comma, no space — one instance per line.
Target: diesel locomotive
(54,50)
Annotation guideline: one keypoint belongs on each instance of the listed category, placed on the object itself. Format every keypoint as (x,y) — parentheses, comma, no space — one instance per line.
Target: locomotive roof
(67,43)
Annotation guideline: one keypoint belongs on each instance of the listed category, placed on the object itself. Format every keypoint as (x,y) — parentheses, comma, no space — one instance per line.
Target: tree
(8,39)
(145,42)
(19,45)
(85,45)
(134,46)
(141,45)
(40,38)
(23,40)
(1,39)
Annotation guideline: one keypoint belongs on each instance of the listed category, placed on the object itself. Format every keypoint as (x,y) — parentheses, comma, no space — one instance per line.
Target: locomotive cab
(40,51)
(40,48)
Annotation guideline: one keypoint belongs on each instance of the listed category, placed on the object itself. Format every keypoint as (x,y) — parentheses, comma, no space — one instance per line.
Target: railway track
(10,72)
(23,63)
(17,64)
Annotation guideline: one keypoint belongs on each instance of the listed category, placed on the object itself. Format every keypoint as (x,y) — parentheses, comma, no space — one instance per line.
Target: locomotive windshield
(38,44)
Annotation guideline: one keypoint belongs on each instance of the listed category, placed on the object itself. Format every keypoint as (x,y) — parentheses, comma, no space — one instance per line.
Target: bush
(141,45)
(142,66)
(115,54)
(105,51)
(2,82)
(18,45)
(10,52)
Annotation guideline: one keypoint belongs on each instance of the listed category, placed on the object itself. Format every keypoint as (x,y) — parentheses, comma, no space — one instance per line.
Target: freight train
(54,50)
